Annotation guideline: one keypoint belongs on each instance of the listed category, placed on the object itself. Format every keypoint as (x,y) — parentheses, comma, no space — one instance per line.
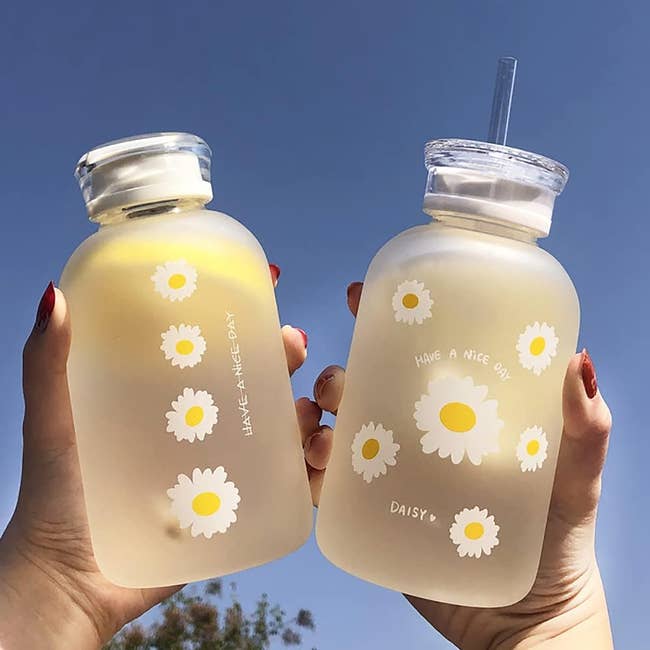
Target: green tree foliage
(201,622)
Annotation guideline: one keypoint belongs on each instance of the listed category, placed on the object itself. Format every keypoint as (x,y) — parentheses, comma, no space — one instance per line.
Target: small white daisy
(474,532)
(206,502)
(193,416)
(373,450)
(183,345)
(532,449)
(175,280)
(537,345)
(412,302)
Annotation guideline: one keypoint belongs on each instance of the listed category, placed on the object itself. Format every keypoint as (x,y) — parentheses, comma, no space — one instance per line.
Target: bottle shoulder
(438,240)
(445,249)
(148,239)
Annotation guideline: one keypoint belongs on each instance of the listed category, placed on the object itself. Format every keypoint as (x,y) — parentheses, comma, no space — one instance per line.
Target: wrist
(581,623)
(561,615)
(36,610)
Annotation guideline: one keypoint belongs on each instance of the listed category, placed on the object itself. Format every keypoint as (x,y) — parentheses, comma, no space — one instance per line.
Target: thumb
(587,423)
(48,432)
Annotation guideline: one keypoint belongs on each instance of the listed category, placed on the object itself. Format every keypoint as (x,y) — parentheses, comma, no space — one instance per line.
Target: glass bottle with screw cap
(188,441)
(446,443)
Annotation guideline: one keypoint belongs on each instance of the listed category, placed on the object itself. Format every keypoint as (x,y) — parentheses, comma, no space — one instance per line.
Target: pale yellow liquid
(486,290)
(122,386)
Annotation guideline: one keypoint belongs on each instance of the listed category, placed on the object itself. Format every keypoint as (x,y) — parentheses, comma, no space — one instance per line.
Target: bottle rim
(147,168)
(148,143)
(497,160)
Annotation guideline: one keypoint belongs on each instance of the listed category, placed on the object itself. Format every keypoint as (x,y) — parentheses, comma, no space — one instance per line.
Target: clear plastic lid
(144,169)
(492,182)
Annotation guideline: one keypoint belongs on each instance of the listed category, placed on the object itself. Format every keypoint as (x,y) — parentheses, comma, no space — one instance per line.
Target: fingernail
(353,286)
(321,383)
(275,273)
(45,308)
(589,375)
(308,443)
(304,336)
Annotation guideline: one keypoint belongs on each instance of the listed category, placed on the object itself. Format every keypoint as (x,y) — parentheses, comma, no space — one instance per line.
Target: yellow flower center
(410,300)
(370,448)
(184,347)
(532,447)
(206,504)
(474,530)
(176,281)
(193,416)
(537,346)
(457,417)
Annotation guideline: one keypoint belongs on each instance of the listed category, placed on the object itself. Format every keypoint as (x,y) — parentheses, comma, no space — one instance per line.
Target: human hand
(566,606)
(52,594)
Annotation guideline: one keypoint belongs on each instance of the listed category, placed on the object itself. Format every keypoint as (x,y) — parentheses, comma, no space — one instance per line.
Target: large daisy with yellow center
(458,420)
(537,345)
(373,450)
(474,532)
(193,416)
(206,502)
(532,449)
(412,302)
(183,345)
(175,280)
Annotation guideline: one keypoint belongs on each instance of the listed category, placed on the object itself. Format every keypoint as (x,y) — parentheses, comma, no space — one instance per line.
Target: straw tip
(507,61)
(502,101)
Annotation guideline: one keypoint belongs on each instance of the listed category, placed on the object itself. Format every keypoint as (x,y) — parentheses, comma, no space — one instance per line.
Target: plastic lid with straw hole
(488,180)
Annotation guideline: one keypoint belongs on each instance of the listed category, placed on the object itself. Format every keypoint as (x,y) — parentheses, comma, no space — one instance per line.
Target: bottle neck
(149,209)
(500,229)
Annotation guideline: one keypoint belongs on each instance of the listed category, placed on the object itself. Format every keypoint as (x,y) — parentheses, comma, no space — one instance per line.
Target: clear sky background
(317,114)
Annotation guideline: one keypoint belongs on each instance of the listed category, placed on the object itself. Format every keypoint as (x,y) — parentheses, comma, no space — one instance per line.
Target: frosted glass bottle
(448,432)
(190,452)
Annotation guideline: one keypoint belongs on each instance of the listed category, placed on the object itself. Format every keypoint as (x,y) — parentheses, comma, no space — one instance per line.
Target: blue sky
(317,114)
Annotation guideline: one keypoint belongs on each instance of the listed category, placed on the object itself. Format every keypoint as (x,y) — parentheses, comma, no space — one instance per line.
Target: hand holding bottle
(51,593)
(566,607)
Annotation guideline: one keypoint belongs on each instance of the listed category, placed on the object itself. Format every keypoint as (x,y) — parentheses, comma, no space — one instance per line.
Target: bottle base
(419,586)
(132,581)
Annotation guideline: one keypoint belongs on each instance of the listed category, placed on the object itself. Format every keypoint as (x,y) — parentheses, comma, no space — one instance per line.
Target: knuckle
(600,424)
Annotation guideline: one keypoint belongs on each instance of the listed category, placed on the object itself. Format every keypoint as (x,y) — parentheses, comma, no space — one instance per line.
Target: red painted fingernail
(589,375)
(353,286)
(45,308)
(275,273)
(304,336)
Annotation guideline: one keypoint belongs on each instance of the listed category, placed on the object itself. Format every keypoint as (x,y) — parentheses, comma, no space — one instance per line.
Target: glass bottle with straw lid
(446,442)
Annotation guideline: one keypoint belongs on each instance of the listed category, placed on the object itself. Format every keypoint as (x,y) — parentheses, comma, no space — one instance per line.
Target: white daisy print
(532,449)
(175,280)
(193,416)
(458,420)
(183,345)
(412,302)
(206,502)
(537,345)
(373,450)
(474,533)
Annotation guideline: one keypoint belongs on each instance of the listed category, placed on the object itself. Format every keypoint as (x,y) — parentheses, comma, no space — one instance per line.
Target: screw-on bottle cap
(144,169)
(492,182)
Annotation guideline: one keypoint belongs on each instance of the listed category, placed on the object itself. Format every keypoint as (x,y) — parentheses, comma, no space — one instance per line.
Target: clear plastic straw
(502,101)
